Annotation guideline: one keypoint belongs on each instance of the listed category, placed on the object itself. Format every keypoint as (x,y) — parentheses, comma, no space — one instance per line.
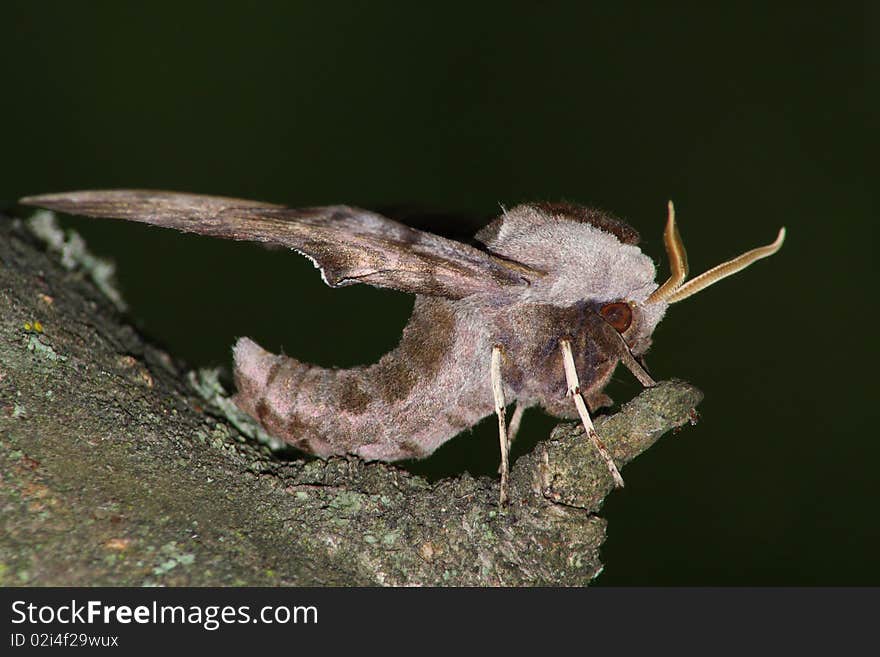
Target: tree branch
(116,471)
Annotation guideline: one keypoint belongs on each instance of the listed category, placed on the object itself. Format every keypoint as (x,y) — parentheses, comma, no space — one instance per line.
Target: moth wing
(347,244)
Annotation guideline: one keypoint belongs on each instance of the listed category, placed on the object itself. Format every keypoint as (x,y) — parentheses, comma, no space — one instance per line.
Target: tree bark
(116,470)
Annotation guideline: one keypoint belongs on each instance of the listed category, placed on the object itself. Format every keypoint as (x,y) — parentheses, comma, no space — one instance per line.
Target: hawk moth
(539,310)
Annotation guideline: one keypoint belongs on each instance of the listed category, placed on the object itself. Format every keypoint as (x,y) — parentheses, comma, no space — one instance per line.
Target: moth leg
(515,421)
(500,410)
(513,427)
(574,389)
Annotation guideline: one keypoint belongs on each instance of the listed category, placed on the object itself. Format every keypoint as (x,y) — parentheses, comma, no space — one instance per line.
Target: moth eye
(619,315)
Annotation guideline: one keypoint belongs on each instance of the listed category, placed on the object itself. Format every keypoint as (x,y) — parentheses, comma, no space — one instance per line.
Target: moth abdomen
(402,407)
(267,386)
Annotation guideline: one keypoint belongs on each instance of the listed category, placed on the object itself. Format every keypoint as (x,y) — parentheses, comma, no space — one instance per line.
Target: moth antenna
(678,264)
(726,269)
(500,411)
(574,389)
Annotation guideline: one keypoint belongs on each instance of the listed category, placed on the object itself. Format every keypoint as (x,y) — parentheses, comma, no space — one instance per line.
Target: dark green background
(749,117)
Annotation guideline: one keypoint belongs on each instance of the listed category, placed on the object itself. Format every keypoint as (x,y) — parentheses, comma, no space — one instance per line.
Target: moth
(539,310)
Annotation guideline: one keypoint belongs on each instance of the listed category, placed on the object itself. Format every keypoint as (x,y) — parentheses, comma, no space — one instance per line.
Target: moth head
(635,320)
(589,256)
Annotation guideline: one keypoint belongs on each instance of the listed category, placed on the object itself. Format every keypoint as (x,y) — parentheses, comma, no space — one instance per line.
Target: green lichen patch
(39,348)
(75,255)
(206,382)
